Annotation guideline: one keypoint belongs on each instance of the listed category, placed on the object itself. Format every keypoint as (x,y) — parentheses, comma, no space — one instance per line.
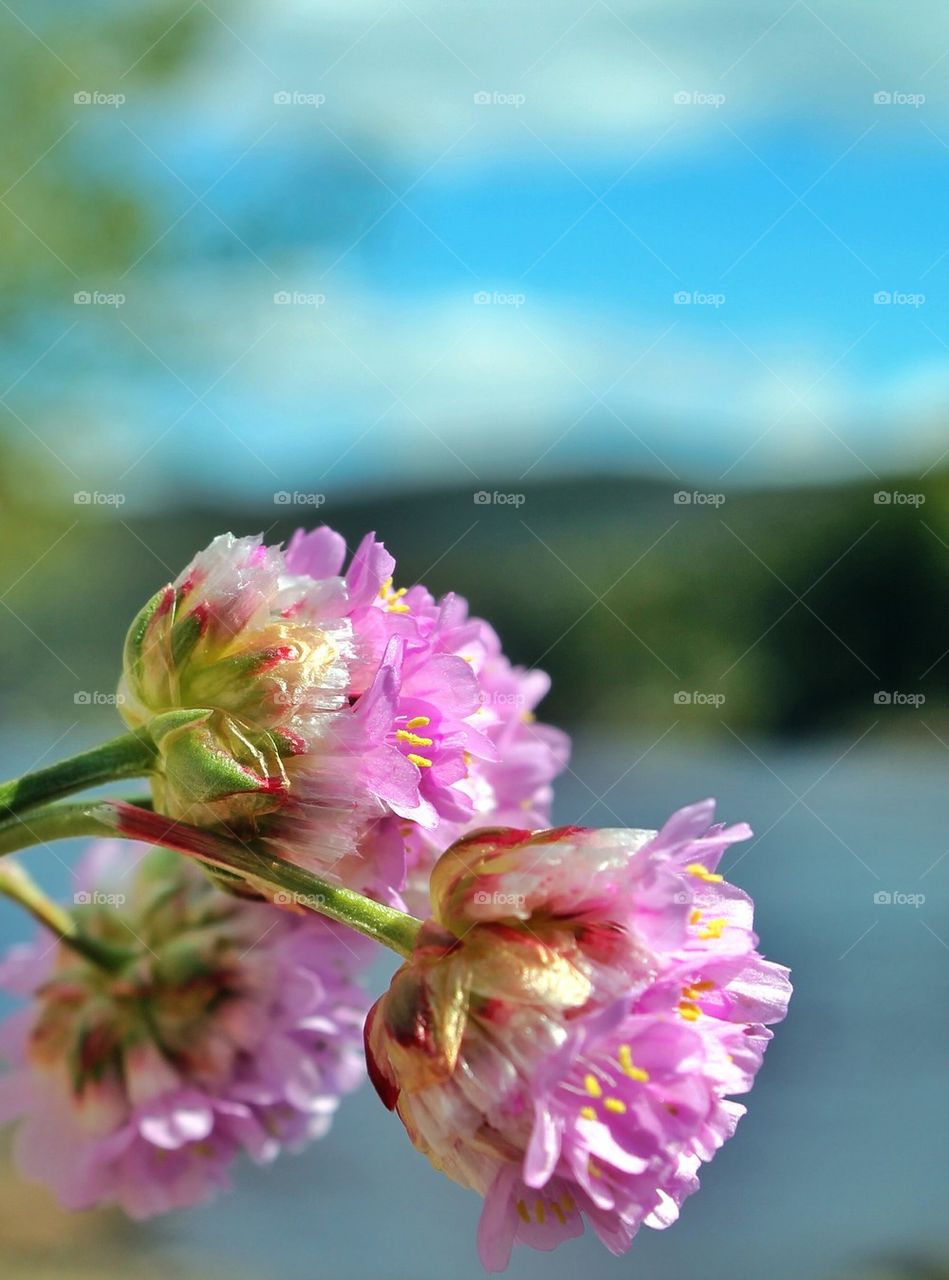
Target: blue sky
(781,196)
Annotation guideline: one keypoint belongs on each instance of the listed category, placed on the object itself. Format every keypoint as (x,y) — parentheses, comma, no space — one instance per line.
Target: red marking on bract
(496,1011)
(386,1088)
(494,837)
(143,824)
(271,657)
(202,612)
(553,834)
(166,602)
(296,743)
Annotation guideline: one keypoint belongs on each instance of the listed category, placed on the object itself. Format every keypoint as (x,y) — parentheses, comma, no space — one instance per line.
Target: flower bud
(566,1033)
(229,1025)
(234,669)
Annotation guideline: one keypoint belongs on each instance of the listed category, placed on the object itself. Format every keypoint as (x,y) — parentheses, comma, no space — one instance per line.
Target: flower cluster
(573,1019)
(224,1026)
(356,727)
(565,1037)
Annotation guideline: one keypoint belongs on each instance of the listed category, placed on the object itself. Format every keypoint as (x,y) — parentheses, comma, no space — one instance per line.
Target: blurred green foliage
(798,607)
(64,208)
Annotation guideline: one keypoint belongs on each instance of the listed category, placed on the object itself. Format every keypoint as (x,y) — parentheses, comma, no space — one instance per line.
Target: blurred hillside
(783,611)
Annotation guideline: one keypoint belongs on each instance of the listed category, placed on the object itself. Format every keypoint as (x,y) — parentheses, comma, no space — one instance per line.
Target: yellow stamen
(713,929)
(393,599)
(688,1010)
(592,1086)
(522,1211)
(568,1203)
(418,722)
(587,1113)
(616,1105)
(405,736)
(539,1213)
(695,916)
(629,1067)
(422,761)
(702,873)
(558,1213)
(593,1169)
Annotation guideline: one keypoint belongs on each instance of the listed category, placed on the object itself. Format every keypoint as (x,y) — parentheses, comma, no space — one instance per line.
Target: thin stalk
(23,889)
(131,755)
(277,879)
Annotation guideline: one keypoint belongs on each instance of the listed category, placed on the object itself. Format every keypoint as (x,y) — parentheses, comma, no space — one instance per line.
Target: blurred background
(627,320)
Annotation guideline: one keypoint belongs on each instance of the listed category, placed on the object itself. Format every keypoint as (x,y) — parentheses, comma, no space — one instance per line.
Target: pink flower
(230,1026)
(354,727)
(451,734)
(566,1036)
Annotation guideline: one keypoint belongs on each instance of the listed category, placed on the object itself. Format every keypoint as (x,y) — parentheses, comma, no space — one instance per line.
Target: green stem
(278,879)
(21,888)
(131,755)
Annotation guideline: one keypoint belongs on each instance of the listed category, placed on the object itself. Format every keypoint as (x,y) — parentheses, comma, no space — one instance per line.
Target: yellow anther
(568,1203)
(616,1105)
(587,1113)
(418,722)
(629,1067)
(592,1086)
(688,1010)
(558,1213)
(593,1169)
(422,761)
(539,1212)
(393,599)
(522,1211)
(695,916)
(702,873)
(713,929)
(416,740)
